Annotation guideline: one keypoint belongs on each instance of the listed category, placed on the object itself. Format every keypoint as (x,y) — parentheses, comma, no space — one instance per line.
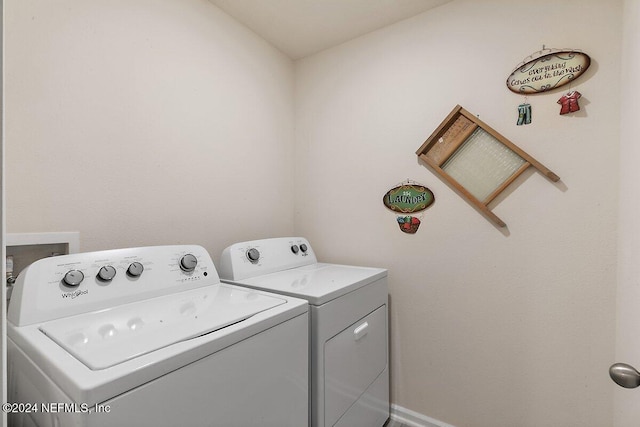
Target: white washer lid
(317,283)
(108,337)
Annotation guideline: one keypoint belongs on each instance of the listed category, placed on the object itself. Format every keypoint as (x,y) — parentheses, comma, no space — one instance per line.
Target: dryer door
(353,360)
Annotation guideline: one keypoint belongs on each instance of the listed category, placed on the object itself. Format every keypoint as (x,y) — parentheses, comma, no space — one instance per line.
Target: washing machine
(151,337)
(349,355)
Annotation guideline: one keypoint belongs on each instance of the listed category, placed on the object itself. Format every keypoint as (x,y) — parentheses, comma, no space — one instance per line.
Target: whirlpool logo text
(75,294)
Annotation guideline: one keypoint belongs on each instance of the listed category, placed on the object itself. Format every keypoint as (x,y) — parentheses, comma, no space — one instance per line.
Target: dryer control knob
(73,278)
(188,262)
(253,255)
(106,273)
(135,269)
(303,247)
(295,249)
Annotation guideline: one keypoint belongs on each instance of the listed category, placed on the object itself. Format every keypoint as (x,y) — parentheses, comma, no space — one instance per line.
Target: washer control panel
(253,258)
(72,284)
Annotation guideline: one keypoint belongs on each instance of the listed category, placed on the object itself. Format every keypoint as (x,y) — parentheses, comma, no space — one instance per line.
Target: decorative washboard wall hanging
(476,160)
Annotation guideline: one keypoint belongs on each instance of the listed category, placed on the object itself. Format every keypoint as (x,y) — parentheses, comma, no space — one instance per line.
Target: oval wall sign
(408,198)
(548,72)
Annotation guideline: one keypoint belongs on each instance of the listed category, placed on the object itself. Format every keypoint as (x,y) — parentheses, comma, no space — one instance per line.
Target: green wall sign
(408,198)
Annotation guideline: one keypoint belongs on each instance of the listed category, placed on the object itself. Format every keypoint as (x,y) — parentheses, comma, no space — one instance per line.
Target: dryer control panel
(257,257)
(73,284)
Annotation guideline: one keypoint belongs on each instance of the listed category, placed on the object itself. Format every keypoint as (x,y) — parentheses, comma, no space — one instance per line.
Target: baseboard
(411,418)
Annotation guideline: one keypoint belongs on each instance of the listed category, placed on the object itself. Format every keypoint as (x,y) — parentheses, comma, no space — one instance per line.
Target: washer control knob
(295,249)
(253,255)
(135,269)
(188,262)
(73,278)
(303,247)
(106,273)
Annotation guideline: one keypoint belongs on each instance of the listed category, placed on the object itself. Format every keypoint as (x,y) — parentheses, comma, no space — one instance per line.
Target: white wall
(626,409)
(145,122)
(489,327)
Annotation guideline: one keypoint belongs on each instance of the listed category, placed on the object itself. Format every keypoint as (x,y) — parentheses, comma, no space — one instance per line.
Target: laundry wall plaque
(548,71)
(408,198)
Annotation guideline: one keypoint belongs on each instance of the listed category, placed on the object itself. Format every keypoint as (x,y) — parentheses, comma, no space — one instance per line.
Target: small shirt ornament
(569,102)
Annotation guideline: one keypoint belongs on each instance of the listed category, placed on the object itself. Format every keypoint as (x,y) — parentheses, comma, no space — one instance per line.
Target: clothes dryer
(150,337)
(349,327)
